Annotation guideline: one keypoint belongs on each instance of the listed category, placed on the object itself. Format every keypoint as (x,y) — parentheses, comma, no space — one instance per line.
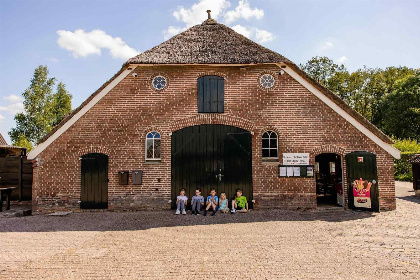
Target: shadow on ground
(411,198)
(141,220)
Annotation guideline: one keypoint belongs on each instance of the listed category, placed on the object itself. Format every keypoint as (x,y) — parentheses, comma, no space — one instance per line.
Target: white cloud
(326,45)
(13,108)
(196,13)
(13,98)
(172,31)
(263,36)
(243,10)
(242,30)
(342,59)
(53,59)
(259,35)
(1,118)
(83,44)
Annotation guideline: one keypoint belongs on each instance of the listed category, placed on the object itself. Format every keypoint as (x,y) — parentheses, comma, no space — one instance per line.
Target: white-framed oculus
(267,81)
(159,82)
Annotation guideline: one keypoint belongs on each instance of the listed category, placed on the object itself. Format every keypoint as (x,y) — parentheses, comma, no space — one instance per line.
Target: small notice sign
(360,159)
(295,158)
(303,171)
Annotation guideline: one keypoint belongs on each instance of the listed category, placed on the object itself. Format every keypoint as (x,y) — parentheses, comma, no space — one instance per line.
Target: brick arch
(94,149)
(148,129)
(211,73)
(333,149)
(212,119)
(270,128)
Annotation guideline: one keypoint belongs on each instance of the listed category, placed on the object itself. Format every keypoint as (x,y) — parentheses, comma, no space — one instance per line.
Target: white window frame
(153,146)
(269,138)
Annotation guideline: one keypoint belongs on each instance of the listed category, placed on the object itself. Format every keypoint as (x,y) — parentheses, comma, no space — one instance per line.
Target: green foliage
(400,109)
(407,145)
(322,69)
(42,108)
(61,104)
(23,142)
(402,168)
(386,97)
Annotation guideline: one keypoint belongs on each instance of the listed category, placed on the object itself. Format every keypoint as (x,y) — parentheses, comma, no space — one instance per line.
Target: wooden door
(362,181)
(211,156)
(94,188)
(210,94)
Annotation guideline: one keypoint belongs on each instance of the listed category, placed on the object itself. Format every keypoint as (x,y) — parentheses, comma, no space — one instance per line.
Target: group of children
(239,203)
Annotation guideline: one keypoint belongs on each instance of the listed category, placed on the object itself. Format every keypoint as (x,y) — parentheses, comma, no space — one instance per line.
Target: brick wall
(118,123)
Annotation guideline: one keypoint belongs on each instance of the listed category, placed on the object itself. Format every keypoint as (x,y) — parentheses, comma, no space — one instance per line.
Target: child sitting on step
(212,202)
(239,204)
(181,203)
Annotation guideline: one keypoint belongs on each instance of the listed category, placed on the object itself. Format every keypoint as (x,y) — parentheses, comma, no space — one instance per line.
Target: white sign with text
(295,158)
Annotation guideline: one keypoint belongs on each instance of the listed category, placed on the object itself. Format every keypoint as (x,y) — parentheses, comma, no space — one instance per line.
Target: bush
(402,168)
(404,177)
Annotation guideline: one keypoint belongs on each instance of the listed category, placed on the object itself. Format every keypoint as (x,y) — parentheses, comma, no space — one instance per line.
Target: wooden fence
(16,171)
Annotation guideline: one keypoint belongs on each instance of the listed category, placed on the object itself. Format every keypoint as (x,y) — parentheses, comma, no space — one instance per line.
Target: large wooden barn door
(211,156)
(362,181)
(94,189)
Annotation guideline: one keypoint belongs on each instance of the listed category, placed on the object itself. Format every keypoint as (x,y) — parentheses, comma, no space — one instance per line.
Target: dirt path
(265,244)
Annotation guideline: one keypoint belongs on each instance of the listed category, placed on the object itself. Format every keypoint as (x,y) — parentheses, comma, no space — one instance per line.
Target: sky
(85,42)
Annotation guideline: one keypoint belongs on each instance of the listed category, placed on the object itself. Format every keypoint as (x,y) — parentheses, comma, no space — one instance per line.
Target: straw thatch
(2,141)
(214,43)
(208,43)
(415,159)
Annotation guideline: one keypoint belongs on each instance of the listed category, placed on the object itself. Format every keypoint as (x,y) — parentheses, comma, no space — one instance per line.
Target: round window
(267,81)
(159,82)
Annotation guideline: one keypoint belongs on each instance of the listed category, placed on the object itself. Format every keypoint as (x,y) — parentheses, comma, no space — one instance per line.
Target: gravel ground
(329,244)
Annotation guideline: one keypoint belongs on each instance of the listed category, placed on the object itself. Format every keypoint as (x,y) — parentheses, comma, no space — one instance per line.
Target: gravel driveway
(329,244)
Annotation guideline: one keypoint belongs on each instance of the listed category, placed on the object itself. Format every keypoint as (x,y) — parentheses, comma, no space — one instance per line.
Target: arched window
(269,145)
(210,94)
(153,146)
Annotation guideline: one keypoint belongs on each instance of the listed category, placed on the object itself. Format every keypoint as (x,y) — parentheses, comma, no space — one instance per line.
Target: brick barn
(210,108)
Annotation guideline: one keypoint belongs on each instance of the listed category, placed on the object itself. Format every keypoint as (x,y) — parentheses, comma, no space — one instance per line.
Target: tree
(61,104)
(400,110)
(42,108)
(321,69)
(23,142)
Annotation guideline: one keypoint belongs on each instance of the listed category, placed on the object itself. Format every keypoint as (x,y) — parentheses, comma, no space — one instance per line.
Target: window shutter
(210,94)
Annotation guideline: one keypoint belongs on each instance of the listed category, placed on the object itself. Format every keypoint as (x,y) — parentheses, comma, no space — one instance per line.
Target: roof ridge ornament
(209,20)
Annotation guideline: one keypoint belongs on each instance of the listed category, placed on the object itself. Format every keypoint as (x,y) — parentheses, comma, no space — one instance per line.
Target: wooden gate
(94,189)
(211,156)
(362,181)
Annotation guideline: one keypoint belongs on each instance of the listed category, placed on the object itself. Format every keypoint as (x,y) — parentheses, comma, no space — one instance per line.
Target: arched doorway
(211,156)
(94,181)
(329,180)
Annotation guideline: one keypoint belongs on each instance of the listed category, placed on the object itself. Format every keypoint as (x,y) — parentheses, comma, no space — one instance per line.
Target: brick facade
(118,123)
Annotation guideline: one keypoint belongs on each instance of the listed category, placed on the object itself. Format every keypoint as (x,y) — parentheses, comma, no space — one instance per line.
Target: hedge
(402,168)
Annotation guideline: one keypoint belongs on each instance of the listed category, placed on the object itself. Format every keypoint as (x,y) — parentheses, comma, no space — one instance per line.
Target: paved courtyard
(328,244)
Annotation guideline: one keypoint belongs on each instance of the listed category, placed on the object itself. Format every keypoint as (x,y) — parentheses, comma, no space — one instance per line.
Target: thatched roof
(415,159)
(208,43)
(214,43)
(2,141)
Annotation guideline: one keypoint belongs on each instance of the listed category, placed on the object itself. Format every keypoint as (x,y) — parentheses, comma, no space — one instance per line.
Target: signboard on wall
(295,158)
(361,193)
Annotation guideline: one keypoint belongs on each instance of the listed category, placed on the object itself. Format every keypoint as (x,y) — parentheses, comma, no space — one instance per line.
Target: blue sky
(85,42)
